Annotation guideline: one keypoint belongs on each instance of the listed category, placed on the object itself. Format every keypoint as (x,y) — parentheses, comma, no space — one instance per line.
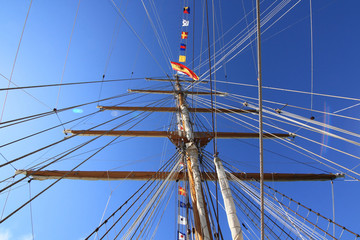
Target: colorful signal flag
(184,35)
(181,236)
(182,220)
(186,10)
(182,58)
(183,46)
(185,23)
(181,166)
(183,205)
(182,191)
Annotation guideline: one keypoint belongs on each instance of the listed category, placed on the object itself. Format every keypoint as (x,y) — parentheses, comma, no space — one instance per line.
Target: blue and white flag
(183,205)
(185,23)
(182,220)
(181,166)
(181,236)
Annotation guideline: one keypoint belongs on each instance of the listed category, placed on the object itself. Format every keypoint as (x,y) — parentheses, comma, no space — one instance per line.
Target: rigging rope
(306,150)
(158,38)
(308,127)
(111,49)
(311,55)
(213,118)
(29,201)
(7,197)
(31,214)
(265,20)
(285,218)
(44,114)
(150,179)
(333,206)
(162,101)
(158,196)
(157,226)
(291,90)
(32,96)
(222,37)
(16,55)
(71,150)
(56,142)
(73,83)
(137,35)
(67,53)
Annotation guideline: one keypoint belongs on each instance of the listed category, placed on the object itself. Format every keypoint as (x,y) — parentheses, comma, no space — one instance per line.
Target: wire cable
(16,55)
(67,53)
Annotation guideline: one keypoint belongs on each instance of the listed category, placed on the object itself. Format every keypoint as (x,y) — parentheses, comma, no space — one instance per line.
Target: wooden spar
(173,135)
(174,80)
(175,92)
(174,109)
(145,175)
(168,80)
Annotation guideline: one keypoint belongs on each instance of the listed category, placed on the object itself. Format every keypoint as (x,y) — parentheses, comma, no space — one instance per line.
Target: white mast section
(186,122)
(193,154)
(230,209)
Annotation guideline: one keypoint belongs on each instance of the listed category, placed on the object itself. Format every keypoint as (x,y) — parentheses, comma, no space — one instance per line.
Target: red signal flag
(186,10)
(182,191)
(184,35)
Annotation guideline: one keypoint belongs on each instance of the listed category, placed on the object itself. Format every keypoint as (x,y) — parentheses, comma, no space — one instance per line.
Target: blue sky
(72,209)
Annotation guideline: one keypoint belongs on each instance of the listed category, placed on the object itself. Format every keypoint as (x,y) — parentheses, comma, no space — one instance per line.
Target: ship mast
(230,209)
(189,142)
(192,153)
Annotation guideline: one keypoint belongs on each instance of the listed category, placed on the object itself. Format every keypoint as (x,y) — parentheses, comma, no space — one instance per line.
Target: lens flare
(78,110)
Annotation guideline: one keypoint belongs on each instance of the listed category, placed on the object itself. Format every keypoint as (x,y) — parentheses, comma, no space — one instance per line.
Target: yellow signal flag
(182,58)
(182,191)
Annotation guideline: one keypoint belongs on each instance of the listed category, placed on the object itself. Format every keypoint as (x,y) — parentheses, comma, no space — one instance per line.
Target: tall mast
(193,153)
(233,221)
(262,206)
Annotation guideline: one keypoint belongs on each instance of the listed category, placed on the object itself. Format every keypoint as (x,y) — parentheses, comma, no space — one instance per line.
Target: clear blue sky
(72,209)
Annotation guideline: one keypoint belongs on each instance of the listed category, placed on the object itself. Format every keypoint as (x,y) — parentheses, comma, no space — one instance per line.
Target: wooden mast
(198,234)
(191,150)
(172,92)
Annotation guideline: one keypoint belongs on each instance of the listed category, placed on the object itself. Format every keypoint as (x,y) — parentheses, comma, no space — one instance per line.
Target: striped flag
(182,46)
(181,166)
(182,68)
